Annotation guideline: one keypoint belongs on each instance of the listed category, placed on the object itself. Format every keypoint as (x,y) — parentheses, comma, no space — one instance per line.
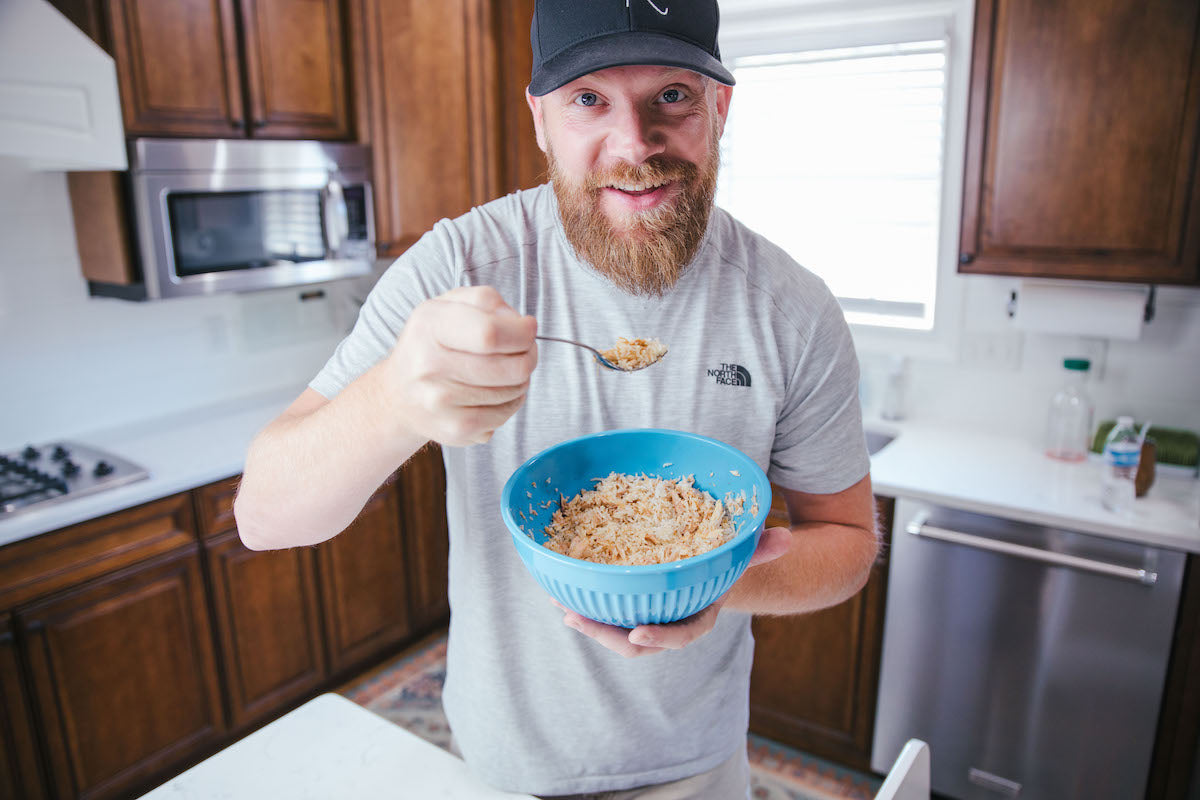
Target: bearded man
(629,100)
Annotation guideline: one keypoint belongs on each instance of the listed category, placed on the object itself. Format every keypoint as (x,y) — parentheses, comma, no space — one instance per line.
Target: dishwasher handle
(919,527)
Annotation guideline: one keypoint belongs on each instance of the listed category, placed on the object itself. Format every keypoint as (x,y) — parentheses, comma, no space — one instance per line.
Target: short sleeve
(431,267)
(819,443)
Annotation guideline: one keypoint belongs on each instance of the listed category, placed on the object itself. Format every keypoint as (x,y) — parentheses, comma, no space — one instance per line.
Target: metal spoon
(604,362)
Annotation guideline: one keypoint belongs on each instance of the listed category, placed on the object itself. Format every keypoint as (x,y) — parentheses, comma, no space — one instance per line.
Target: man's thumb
(773,543)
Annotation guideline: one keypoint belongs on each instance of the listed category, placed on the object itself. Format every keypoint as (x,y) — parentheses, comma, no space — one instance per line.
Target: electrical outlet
(994,350)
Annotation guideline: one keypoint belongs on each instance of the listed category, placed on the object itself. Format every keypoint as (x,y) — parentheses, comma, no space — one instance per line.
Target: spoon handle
(593,350)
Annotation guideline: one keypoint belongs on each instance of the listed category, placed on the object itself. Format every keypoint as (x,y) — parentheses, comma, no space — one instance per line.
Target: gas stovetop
(50,473)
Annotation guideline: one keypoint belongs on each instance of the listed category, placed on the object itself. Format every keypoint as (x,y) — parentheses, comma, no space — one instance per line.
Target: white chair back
(908,778)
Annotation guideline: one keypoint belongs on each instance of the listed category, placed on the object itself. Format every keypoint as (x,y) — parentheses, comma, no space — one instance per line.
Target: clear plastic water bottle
(1069,424)
(1122,451)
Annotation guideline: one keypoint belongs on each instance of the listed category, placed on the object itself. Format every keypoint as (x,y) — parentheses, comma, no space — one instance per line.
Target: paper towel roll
(1107,312)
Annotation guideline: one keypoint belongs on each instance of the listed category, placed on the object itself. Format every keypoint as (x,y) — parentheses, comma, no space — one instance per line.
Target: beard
(645,252)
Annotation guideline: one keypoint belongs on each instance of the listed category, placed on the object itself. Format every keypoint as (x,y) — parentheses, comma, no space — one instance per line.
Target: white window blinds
(836,156)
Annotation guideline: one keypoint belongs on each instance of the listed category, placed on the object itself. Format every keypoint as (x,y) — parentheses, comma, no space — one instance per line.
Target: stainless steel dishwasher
(1031,659)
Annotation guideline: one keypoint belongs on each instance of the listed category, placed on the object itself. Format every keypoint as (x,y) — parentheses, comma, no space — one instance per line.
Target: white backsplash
(73,363)
(1001,379)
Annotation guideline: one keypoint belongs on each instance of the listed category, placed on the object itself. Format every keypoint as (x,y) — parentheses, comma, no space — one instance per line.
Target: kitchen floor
(407,689)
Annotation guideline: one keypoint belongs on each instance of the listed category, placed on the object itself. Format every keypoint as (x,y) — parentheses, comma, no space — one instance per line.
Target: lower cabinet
(422,485)
(123,676)
(269,626)
(814,679)
(20,774)
(364,588)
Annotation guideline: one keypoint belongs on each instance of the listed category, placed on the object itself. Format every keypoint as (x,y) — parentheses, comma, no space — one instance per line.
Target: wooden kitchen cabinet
(123,676)
(364,585)
(267,614)
(296,68)
(20,771)
(183,70)
(1082,141)
(815,676)
(422,487)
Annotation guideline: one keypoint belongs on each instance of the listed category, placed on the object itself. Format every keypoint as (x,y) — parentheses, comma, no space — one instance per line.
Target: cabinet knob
(966,258)
(6,637)
(237,125)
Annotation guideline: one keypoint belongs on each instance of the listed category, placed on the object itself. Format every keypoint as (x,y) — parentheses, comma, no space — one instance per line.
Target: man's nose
(634,137)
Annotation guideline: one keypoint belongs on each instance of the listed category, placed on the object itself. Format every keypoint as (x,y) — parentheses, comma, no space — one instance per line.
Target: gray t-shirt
(760,357)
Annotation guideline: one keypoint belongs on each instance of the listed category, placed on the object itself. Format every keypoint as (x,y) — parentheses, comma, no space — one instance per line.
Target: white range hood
(59,106)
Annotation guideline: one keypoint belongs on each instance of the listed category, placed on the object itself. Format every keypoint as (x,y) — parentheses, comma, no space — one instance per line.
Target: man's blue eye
(672,96)
(587,99)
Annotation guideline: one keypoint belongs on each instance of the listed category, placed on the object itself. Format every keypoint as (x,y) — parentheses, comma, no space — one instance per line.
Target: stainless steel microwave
(220,215)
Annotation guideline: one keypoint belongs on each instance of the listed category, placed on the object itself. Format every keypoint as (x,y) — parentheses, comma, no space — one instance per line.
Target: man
(629,100)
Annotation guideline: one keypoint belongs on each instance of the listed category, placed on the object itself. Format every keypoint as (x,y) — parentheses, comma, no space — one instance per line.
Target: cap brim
(623,50)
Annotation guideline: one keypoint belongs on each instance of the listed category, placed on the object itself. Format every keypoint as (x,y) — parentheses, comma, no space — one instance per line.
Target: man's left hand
(646,639)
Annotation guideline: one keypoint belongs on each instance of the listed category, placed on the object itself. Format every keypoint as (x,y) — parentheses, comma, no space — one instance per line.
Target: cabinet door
(364,589)
(417,70)
(814,678)
(124,677)
(20,773)
(177,65)
(295,68)
(1081,141)
(422,487)
(268,623)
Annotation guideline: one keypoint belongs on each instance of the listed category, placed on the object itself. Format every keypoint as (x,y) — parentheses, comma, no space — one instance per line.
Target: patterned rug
(408,691)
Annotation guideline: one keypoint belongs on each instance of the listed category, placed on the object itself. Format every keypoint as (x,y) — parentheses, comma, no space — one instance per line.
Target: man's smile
(639,196)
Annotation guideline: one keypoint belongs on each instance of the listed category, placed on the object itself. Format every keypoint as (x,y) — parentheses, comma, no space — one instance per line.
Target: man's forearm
(308,476)
(826,564)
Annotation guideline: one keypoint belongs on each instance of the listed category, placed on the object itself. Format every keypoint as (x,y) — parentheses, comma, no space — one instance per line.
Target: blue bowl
(628,596)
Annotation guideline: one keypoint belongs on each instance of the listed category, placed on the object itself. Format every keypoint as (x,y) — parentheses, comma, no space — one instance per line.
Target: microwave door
(268,230)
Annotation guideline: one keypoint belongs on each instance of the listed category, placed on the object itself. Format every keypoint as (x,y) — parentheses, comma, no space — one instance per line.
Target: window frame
(761,27)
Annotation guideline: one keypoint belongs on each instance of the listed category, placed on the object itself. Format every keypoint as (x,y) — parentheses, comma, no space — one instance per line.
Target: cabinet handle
(6,637)
(237,125)
(35,626)
(966,258)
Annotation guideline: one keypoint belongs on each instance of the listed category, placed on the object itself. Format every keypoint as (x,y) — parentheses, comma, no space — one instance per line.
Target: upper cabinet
(226,68)
(445,109)
(1081,141)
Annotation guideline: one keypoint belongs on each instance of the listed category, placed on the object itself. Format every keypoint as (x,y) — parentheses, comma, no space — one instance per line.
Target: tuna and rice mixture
(636,519)
(631,354)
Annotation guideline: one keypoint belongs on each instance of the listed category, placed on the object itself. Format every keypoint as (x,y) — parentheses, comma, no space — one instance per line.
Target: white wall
(70,363)
(999,378)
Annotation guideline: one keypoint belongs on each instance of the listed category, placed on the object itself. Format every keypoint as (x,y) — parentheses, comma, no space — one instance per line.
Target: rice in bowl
(638,519)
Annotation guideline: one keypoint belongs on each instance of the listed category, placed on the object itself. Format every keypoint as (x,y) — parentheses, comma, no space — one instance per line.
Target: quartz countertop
(967,469)
(1010,477)
(181,452)
(330,747)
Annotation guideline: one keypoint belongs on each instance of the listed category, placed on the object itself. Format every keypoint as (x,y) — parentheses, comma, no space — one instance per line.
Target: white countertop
(180,452)
(971,470)
(330,748)
(1010,477)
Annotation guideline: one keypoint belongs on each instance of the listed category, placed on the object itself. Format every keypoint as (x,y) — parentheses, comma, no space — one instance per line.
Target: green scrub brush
(1172,445)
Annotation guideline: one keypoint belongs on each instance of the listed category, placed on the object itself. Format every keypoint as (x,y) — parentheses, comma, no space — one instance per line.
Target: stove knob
(102,468)
(59,453)
(31,453)
(70,468)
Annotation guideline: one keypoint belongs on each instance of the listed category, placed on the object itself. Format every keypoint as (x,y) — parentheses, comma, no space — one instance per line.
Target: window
(845,146)
(836,156)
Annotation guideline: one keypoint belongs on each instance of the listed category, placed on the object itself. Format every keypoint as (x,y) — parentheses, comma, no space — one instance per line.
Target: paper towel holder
(1147,315)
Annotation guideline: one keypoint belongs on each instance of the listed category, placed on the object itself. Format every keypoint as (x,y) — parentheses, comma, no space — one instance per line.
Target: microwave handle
(337,219)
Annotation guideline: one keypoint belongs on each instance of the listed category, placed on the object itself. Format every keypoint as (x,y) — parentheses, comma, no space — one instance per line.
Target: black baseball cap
(572,38)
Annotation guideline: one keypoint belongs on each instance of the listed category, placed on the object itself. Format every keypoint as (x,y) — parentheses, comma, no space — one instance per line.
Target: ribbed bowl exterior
(634,595)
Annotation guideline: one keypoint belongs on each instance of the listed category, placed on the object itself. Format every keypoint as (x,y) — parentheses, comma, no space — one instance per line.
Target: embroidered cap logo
(662,11)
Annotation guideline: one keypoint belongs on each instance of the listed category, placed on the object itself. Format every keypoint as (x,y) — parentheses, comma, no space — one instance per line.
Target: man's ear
(724,95)
(539,123)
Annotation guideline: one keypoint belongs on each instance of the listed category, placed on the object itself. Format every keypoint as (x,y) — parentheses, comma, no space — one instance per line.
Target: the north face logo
(731,375)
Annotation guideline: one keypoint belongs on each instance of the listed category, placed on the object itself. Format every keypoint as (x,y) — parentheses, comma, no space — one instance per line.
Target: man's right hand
(461,366)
